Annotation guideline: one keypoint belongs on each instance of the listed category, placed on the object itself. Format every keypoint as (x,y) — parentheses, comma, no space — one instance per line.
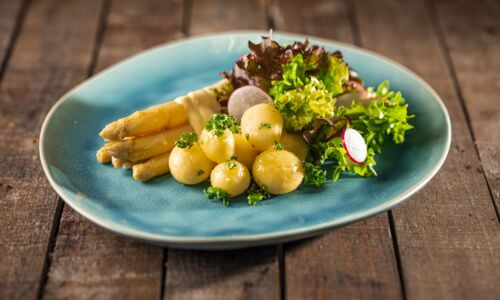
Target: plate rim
(253,239)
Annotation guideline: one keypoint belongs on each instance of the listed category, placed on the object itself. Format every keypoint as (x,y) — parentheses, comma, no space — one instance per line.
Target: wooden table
(443,243)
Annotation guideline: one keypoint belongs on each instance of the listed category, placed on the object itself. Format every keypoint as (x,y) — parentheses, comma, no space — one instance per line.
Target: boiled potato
(278,171)
(295,143)
(217,148)
(233,177)
(190,165)
(262,125)
(243,150)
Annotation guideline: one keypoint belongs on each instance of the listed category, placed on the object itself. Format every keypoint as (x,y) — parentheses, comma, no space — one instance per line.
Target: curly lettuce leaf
(335,76)
(294,76)
(314,174)
(335,151)
(386,115)
(300,107)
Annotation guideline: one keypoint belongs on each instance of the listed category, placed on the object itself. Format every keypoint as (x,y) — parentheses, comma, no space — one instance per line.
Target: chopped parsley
(200,172)
(231,164)
(314,174)
(186,140)
(217,193)
(265,125)
(278,145)
(218,123)
(256,194)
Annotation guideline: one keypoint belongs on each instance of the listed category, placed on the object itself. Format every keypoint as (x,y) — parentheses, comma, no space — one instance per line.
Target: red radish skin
(349,149)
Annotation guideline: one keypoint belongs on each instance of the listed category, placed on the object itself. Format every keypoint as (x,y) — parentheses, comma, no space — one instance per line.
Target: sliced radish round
(244,98)
(354,144)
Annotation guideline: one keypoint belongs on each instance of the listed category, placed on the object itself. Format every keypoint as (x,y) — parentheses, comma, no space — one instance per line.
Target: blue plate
(164,212)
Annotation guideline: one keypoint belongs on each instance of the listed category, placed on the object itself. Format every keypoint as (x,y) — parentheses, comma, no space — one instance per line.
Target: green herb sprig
(218,123)
(217,193)
(256,194)
(187,140)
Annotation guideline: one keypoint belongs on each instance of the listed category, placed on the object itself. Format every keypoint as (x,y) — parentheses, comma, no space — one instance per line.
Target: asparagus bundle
(142,141)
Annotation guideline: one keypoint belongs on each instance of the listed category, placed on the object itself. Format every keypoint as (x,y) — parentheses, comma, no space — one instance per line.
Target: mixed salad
(272,124)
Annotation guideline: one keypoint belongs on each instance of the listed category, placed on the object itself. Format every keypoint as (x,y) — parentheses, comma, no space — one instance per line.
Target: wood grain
(448,235)
(240,274)
(353,262)
(89,262)
(52,54)
(356,261)
(10,19)
(471,31)
(236,274)
(219,15)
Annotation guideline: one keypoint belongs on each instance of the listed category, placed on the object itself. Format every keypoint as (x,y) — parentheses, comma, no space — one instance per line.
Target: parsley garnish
(256,194)
(265,125)
(220,122)
(314,174)
(231,164)
(217,193)
(278,145)
(186,140)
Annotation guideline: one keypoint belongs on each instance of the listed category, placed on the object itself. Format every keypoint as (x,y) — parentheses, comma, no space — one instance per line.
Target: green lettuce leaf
(386,115)
(335,151)
(301,106)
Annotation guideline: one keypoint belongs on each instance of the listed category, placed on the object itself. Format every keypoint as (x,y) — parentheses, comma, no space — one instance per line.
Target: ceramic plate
(164,212)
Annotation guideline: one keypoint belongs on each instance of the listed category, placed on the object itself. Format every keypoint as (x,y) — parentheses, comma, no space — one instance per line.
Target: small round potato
(278,171)
(190,165)
(217,148)
(243,150)
(234,179)
(295,143)
(262,125)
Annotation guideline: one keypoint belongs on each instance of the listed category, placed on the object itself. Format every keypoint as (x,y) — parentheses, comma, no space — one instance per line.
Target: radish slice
(244,98)
(354,144)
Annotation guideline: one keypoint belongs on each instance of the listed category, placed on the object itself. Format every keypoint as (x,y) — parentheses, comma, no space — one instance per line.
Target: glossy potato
(243,150)
(233,180)
(278,171)
(190,165)
(217,148)
(262,124)
(295,143)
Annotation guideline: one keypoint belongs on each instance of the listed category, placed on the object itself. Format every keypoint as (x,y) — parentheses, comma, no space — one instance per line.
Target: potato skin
(295,143)
(259,136)
(278,171)
(217,148)
(190,165)
(233,181)
(243,150)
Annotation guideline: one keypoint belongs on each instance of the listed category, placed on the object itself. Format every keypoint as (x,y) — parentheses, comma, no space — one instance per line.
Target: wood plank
(236,274)
(218,15)
(324,18)
(356,261)
(353,262)
(10,20)
(474,60)
(52,54)
(88,261)
(448,235)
